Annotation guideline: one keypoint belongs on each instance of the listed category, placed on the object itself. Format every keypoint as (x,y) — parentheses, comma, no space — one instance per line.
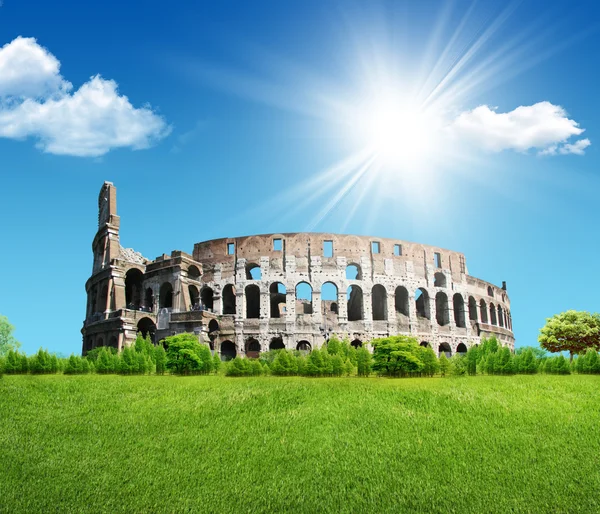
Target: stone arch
(458,303)
(353,271)
(493,319)
(357,343)
(194,297)
(277,295)
(252,348)
(304,298)
(490,291)
(379,303)
(166,296)
(99,342)
(500,316)
(439,280)
(113,342)
(193,272)
(483,311)
(252,294)
(228,350)
(334,307)
(276,343)
(304,346)
(253,271)
(473,309)
(207,296)
(401,301)
(146,326)
(441,309)
(445,348)
(355,303)
(461,348)
(133,288)
(425,344)
(228,296)
(422,303)
(104,298)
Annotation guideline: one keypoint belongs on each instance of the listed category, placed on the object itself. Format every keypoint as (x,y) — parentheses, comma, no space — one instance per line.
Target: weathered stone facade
(248,294)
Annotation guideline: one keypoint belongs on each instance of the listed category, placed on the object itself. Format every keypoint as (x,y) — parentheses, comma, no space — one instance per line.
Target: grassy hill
(214,444)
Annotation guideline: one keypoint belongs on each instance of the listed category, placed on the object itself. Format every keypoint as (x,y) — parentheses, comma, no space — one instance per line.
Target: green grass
(215,444)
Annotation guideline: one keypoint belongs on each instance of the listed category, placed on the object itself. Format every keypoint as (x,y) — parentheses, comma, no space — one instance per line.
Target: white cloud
(35,101)
(543,126)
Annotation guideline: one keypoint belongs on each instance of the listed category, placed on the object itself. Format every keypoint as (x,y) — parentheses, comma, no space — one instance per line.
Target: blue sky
(231,118)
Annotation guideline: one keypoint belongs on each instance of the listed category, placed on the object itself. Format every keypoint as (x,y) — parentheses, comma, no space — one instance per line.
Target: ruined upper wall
(304,246)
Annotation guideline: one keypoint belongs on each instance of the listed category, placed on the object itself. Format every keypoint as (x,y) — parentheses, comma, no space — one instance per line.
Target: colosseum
(246,295)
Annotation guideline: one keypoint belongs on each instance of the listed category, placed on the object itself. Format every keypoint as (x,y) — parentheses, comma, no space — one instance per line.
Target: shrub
(185,355)
(284,363)
(444,364)
(238,367)
(160,359)
(431,364)
(363,361)
(458,365)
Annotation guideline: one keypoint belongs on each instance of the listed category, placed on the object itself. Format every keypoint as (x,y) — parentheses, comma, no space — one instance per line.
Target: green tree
(472,357)
(444,364)
(458,365)
(572,331)
(216,362)
(397,356)
(7,340)
(538,353)
(337,366)
(504,362)
(160,359)
(284,363)
(185,355)
(528,363)
(41,362)
(431,364)
(363,361)
(238,367)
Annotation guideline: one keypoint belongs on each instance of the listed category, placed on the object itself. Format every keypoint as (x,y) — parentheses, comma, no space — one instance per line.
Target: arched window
(461,348)
(99,342)
(329,297)
(483,311)
(401,300)
(147,327)
(445,349)
(207,298)
(149,300)
(500,316)
(357,343)
(458,303)
(304,298)
(253,271)
(276,343)
(193,272)
(379,303)
(439,280)
(166,296)
(422,303)
(133,288)
(493,319)
(425,344)
(194,297)
(228,351)
(304,346)
(441,309)
(252,295)
(355,303)
(490,291)
(252,348)
(472,309)
(277,293)
(213,326)
(228,296)
(353,272)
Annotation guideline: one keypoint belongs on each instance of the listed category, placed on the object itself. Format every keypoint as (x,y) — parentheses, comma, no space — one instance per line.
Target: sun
(400,134)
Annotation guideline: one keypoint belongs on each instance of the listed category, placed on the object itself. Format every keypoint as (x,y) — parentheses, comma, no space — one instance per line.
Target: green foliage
(431,364)
(572,331)
(472,357)
(43,362)
(528,363)
(76,365)
(160,359)
(15,362)
(238,367)
(444,365)
(216,362)
(106,360)
(185,355)
(364,361)
(7,340)
(458,365)
(538,353)
(284,363)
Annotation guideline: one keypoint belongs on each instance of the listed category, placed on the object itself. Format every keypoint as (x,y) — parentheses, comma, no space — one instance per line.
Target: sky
(471,126)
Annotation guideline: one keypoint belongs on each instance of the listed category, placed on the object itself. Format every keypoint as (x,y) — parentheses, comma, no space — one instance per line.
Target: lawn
(267,444)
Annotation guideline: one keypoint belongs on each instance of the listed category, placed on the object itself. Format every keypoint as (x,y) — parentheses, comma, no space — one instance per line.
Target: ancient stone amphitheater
(247,295)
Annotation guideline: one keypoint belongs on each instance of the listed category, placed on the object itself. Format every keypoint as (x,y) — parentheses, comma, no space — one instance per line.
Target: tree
(538,353)
(186,355)
(7,340)
(572,331)
(397,356)
(216,363)
(363,361)
(431,364)
(528,363)
(160,358)
(444,364)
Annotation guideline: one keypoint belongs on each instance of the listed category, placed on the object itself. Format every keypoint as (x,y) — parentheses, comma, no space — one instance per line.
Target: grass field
(215,444)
